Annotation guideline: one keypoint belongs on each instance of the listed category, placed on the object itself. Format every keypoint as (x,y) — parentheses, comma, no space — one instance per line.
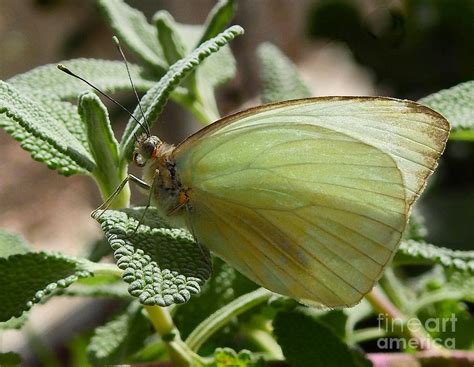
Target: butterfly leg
(183,200)
(150,195)
(106,204)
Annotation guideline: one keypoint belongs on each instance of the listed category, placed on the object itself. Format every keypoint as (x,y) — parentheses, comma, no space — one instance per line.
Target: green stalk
(222,316)
(362,335)
(381,304)
(394,289)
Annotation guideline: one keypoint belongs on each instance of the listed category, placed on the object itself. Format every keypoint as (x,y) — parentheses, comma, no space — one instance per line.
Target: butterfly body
(308,198)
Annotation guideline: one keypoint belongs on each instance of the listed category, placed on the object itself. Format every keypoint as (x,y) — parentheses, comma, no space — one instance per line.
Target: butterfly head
(146,148)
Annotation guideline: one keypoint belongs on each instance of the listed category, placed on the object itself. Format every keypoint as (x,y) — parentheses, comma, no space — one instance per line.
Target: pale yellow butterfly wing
(308,210)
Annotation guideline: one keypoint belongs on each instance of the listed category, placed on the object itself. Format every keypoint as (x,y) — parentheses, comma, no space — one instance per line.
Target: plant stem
(390,312)
(179,352)
(394,289)
(363,335)
(436,296)
(463,135)
(265,341)
(222,316)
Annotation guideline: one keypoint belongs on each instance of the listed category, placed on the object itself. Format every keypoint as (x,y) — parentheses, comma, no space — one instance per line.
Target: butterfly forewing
(309,198)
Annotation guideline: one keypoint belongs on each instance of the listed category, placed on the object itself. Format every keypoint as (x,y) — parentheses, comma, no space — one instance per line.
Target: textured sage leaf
(31,277)
(118,339)
(162,265)
(155,99)
(65,113)
(218,68)
(279,76)
(414,252)
(307,342)
(170,40)
(47,82)
(12,244)
(217,20)
(102,142)
(456,104)
(100,285)
(9,359)
(30,123)
(133,29)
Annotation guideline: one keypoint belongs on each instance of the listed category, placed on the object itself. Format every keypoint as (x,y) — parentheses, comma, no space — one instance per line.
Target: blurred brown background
(399,48)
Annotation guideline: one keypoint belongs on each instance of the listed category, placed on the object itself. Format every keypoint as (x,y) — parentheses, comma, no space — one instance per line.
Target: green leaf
(155,99)
(170,40)
(133,29)
(163,265)
(218,18)
(20,115)
(65,113)
(413,252)
(29,278)
(227,357)
(217,68)
(9,359)
(114,342)
(100,285)
(14,322)
(335,320)
(102,144)
(12,244)
(457,105)
(306,341)
(279,76)
(97,250)
(47,82)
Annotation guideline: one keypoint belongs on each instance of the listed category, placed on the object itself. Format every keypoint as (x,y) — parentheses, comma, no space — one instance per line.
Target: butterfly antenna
(117,43)
(69,72)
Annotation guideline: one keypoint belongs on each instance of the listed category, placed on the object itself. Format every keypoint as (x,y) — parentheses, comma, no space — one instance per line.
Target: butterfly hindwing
(298,199)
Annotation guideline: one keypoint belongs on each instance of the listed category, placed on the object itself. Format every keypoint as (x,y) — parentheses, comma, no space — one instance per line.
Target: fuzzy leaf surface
(279,76)
(102,142)
(456,104)
(219,17)
(162,265)
(12,244)
(155,99)
(124,335)
(168,36)
(29,278)
(414,252)
(133,29)
(100,285)
(25,118)
(47,82)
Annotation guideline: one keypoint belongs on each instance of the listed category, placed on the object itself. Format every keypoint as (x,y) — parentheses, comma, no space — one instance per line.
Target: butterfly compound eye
(138,159)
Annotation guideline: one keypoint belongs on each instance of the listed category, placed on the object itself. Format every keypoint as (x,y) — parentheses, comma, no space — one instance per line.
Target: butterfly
(308,198)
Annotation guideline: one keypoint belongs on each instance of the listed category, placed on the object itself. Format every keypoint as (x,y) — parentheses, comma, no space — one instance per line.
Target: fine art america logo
(414,330)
